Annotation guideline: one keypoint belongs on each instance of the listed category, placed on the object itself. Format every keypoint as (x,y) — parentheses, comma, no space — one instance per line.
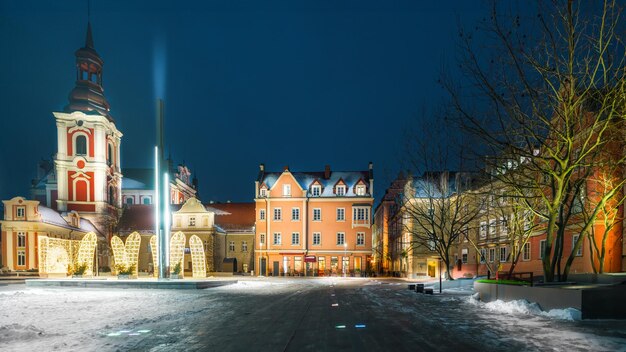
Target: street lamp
(343,264)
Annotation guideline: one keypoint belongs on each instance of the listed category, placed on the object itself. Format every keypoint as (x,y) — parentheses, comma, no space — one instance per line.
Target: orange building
(314,223)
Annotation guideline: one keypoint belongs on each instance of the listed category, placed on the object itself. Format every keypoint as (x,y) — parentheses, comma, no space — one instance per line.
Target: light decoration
(155,254)
(87,250)
(128,254)
(177,251)
(56,254)
(198,260)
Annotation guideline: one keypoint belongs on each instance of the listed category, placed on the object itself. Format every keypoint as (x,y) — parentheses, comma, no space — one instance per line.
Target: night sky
(298,83)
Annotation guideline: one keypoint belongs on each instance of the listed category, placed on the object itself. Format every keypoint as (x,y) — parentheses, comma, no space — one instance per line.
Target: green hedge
(503,282)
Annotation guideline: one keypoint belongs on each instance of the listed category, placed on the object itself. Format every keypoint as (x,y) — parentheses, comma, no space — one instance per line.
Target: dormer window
(316,190)
(340,190)
(20,212)
(263,192)
(360,190)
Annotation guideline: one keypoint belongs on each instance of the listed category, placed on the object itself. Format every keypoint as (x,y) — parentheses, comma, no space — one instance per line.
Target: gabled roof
(306,179)
(52,217)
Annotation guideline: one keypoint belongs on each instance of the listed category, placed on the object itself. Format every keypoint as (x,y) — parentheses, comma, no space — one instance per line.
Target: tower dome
(88,94)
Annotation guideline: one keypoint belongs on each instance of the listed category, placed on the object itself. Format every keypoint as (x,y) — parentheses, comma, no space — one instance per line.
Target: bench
(412,287)
(428,291)
(419,288)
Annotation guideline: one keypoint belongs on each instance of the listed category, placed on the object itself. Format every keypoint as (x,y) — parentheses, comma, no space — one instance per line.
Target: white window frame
(342,212)
(360,238)
(526,250)
(287,190)
(341,238)
(492,228)
(231,246)
(244,246)
(317,214)
(262,239)
(262,214)
(340,190)
(317,236)
(295,238)
(506,250)
(361,215)
(263,192)
(360,190)
(278,214)
(18,210)
(21,237)
(277,239)
(21,257)
(492,254)
(295,214)
(482,232)
(578,253)
(464,255)
(316,190)
(504,226)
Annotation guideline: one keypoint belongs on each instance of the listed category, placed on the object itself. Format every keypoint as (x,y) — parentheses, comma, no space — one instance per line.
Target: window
(110,155)
(360,190)
(295,214)
(262,214)
(278,214)
(295,239)
(526,251)
(244,246)
(464,255)
(231,246)
(360,239)
(262,239)
(21,257)
(21,239)
(504,227)
(317,214)
(542,248)
(503,254)
(81,145)
(192,221)
(286,190)
(579,252)
(20,212)
(316,191)
(483,229)
(341,238)
(317,238)
(129,200)
(276,238)
(483,255)
(146,200)
(340,190)
(492,255)
(492,228)
(262,192)
(341,214)
(361,214)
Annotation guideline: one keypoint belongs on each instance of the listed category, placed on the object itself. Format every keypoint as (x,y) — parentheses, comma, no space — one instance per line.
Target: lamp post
(343,262)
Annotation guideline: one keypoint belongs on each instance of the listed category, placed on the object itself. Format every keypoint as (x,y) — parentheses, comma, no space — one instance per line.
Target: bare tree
(549,106)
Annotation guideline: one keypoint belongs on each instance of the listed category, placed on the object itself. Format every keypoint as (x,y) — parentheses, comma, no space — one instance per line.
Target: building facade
(237,220)
(314,223)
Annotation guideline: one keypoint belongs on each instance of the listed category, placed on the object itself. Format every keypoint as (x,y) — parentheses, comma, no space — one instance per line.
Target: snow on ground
(522,306)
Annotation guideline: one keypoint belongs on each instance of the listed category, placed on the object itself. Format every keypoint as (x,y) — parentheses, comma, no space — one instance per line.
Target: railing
(518,276)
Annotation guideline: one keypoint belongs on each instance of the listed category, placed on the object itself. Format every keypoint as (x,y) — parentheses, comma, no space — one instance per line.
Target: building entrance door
(263,266)
(432,268)
(276,269)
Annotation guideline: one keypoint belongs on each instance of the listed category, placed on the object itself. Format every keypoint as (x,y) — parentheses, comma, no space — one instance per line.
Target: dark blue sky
(298,83)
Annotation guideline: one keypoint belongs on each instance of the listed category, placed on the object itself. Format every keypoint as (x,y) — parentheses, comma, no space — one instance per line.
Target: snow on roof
(305,179)
(52,217)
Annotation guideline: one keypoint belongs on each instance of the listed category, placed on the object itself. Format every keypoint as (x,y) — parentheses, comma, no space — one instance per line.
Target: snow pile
(522,306)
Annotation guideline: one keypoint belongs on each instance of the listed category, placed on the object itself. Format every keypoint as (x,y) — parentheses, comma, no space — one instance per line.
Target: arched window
(129,200)
(110,155)
(81,145)
(146,200)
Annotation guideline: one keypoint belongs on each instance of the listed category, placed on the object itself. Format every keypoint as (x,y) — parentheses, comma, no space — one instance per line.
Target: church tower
(87,161)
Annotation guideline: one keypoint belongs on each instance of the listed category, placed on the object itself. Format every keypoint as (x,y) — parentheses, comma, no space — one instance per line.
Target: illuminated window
(317,214)
(295,214)
(231,246)
(341,238)
(360,239)
(20,212)
(286,190)
(360,190)
(276,238)
(81,145)
(295,239)
(262,214)
(317,238)
(341,214)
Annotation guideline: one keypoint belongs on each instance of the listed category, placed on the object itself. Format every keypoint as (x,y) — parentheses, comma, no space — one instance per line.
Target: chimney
(262,167)
(327,172)
(371,165)
(286,168)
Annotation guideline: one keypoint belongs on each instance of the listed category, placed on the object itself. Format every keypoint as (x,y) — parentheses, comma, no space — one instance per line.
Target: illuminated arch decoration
(56,254)
(155,250)
(127,254)
(86,251)
(198,262)
(177,251)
